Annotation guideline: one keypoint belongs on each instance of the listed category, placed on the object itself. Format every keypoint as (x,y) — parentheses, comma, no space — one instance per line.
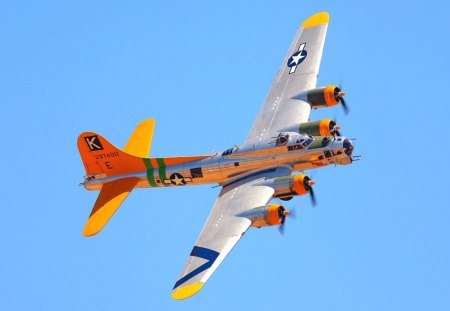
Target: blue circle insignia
(297,58)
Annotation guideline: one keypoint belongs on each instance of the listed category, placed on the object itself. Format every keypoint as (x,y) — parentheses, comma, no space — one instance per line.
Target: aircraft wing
(298,73)
(224,228)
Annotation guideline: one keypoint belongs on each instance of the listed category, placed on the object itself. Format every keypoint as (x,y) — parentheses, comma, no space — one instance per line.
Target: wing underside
(280,111)
(298,73)
(223,229)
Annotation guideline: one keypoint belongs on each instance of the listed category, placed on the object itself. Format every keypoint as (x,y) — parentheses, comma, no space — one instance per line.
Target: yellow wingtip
(187,291)
(321,18)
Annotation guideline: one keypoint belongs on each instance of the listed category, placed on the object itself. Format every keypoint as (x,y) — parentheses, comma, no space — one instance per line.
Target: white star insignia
(298,58)
(177,180)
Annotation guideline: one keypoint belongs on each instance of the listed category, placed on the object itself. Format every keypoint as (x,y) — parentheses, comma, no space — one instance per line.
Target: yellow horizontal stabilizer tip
(317,19)
(187,291)
(140,141)
(110,198)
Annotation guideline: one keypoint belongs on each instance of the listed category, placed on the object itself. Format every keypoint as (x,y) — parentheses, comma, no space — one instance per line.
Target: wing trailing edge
(224,228)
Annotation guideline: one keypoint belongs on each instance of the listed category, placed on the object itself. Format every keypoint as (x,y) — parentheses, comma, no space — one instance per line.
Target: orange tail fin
(103,159)
(99,156)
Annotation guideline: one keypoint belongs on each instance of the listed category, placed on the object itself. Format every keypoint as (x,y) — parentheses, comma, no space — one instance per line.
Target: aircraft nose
(348,147)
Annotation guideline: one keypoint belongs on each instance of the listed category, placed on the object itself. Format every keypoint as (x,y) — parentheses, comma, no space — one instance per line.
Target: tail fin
(99,156)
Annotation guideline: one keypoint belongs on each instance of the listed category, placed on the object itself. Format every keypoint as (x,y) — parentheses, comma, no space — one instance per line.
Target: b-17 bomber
(282,141)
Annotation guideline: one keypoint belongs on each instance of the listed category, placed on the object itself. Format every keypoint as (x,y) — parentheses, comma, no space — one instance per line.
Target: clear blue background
(379,239)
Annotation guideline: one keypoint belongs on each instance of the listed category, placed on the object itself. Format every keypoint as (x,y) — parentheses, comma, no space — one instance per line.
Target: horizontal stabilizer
(110,198)
(140,141)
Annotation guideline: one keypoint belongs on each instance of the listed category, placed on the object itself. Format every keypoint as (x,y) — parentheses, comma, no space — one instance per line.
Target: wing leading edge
(224,228)
(279,112)
(298,73)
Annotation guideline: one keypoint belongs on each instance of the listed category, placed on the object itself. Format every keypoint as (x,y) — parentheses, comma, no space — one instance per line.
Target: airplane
(283,140)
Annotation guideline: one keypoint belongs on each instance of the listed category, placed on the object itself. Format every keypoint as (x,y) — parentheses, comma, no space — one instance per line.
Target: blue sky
(379,239)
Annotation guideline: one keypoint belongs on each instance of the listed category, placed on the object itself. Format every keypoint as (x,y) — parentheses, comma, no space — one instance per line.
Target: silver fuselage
(228,166)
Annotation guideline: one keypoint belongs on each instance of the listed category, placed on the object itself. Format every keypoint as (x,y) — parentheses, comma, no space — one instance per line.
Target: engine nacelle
(289,186)
(267,215)
(325,127)
(324,96)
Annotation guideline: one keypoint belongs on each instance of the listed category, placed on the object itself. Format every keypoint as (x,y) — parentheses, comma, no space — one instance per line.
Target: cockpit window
(227,152)
(282,139)
(307,142)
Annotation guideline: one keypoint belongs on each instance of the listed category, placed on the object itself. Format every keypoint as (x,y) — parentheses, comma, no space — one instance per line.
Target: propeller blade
(281,228)
(344,106)
(313,197)
(285,214)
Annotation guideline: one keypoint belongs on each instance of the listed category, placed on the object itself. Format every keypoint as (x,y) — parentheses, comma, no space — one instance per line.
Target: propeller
(283,213)
(308,183)
(334,128)
(339,96)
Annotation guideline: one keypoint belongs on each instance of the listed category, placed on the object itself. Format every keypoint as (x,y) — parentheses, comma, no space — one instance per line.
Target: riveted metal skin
(221,169)
(281,140)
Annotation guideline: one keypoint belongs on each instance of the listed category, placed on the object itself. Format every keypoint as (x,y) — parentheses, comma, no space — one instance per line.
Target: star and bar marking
(177,179)
(297,58)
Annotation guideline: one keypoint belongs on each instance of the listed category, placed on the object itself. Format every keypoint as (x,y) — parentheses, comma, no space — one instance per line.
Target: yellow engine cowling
(325,127)
(267,215)
(324,96)
(289,186)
